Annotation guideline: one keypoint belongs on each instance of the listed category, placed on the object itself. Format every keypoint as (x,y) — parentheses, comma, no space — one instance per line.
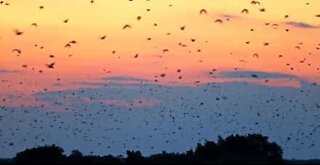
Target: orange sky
(223,46)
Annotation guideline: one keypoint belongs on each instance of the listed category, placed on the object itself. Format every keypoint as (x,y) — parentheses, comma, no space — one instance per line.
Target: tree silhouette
(207,152)
(75,156)
(168,158)
(134,157)
(250,149)
(253,148)
(41,155)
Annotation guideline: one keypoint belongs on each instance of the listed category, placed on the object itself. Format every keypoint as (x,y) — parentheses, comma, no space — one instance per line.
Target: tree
(207,152)
(249,149)
(134,157)
(75,156)
(253,148)
(41,155)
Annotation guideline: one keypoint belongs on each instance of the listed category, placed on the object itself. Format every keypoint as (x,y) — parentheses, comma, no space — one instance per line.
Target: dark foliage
(251,149)
(134,157)
(40,155)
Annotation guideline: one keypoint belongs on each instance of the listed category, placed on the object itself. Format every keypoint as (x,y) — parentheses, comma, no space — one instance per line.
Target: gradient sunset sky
(221,46)
(171,43)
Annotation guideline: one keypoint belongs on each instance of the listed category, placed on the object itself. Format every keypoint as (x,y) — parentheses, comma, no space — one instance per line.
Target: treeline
(250,149)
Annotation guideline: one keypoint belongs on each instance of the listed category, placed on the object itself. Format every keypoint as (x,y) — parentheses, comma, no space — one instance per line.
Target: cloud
(227,16)
(58,84)
(257,75)
(120,78)
(109,81)
(7,71)
(270,79)
(302,25)
(134,103)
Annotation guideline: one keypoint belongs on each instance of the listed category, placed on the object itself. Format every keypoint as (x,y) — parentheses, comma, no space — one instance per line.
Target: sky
(69,48)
